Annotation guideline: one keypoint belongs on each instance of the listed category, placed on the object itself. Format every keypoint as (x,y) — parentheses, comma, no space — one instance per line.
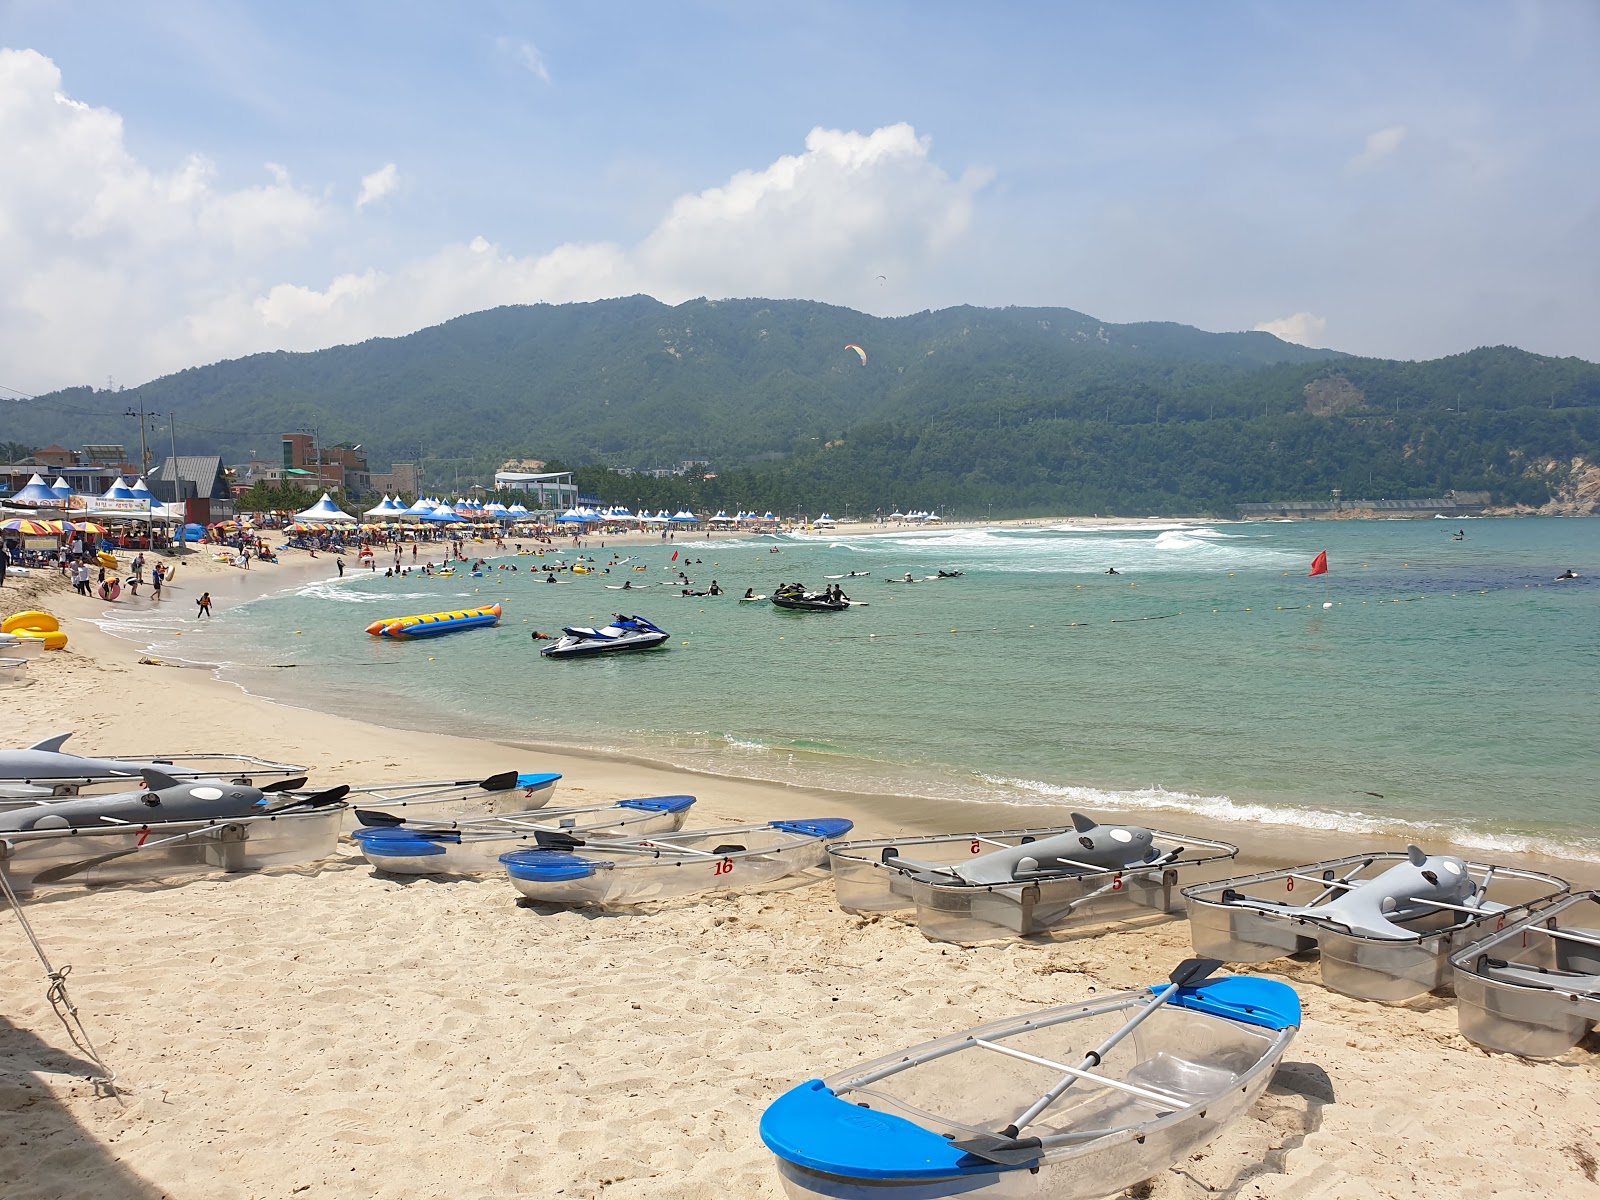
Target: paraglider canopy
(858,350)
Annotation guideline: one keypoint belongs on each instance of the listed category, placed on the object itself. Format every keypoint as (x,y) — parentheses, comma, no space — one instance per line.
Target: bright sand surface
(329,1032)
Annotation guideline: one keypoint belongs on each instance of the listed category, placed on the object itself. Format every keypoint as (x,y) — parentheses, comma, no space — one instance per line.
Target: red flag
(1324,565)
(1319,564)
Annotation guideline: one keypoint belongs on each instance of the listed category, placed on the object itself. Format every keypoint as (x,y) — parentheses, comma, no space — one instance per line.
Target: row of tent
(681,517)
(121,500)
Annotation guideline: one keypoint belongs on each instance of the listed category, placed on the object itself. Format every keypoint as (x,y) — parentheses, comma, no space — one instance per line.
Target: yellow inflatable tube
(53,640)
(30,622)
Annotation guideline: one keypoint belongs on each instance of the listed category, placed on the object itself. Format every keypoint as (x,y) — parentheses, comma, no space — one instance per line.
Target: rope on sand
(105,1083)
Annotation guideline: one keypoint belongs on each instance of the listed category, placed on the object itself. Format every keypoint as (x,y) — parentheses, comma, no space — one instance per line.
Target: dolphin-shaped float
(45,761)
(166,799)
(1406,891)
(1089,848)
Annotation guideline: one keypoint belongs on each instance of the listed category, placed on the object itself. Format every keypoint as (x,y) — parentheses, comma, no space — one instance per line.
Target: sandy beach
(331,1032)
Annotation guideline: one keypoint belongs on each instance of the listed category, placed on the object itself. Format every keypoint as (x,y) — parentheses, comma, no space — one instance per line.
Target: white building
(554,491)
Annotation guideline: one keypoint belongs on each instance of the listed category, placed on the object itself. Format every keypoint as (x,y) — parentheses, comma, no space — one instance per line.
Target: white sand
(333,1033)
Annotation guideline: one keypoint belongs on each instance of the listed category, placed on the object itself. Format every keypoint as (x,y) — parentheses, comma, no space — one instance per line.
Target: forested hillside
(1014,409)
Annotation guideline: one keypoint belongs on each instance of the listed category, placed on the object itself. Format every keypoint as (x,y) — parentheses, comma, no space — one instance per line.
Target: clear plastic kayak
(1025,1108)
(1533,988)
(632,871)
(450,799)
(1059,880)
(1385,923)
(70,857)
(442,846)
(44,770)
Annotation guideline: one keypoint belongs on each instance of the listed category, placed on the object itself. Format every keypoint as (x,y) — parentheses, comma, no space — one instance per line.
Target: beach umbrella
(87,527)
(27,526)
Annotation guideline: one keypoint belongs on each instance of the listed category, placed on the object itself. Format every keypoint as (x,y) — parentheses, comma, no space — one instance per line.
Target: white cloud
(378,185)
(1302,328)
(526,54)
(1380,145)
(111,267)
(103,258)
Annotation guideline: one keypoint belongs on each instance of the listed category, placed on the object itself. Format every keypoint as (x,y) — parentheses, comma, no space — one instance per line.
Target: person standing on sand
(339,562)
(157,573)
(5,561)
(204,604)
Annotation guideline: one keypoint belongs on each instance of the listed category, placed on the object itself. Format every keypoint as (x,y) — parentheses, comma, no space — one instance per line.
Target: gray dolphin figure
(1399,894)
(1102,847)
(167,799)
(45,761)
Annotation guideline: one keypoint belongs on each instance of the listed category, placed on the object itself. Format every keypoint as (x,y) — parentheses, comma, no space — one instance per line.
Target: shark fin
(51,745)
(1082,823)
(1416,856)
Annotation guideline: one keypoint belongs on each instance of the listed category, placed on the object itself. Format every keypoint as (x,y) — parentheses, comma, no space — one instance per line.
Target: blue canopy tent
(37,494)
(443,516)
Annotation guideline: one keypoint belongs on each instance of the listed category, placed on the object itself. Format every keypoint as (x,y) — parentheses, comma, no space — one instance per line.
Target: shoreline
(1262,844)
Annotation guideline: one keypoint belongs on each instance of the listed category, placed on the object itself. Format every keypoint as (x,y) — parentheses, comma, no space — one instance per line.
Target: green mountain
(1015,409)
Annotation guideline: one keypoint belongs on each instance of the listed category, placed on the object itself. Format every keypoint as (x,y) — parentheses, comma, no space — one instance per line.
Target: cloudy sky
(189,180)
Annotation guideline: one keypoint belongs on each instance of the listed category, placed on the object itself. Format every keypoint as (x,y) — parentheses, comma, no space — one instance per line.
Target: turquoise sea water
(1423,682)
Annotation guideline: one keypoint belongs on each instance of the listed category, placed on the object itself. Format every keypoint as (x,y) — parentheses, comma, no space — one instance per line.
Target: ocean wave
(1033,793)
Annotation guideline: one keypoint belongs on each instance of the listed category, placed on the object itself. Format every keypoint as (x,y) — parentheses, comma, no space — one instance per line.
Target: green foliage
(1009,410)
(265,497)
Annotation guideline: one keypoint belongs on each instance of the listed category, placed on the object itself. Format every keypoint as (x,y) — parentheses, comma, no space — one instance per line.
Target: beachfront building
(199,482)
(88,472)
(324,468)
(554,490)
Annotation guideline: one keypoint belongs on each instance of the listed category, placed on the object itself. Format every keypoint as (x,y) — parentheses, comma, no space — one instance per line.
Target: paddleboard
(750,599)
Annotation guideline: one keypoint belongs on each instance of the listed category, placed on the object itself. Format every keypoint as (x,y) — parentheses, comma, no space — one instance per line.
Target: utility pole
(177,480)
(144,454)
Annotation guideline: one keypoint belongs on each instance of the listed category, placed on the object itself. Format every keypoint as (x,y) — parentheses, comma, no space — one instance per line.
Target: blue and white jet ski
(623,634)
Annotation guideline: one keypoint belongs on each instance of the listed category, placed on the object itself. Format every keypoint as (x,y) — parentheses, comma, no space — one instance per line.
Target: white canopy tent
(324,512)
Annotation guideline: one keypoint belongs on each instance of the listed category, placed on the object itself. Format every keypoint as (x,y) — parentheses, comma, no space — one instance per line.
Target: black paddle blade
(319,800)
(500,782)
(550,839)
(1009,1151)
(284,785)
(1195,970)
(382,820)
(64,870)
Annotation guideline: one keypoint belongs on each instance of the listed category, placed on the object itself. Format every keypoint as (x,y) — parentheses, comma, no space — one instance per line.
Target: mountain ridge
(768,387)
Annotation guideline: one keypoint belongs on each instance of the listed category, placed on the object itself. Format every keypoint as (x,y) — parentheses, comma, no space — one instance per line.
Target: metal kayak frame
(1239,921)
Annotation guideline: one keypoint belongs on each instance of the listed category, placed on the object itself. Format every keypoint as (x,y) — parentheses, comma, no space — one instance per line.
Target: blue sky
(195,180)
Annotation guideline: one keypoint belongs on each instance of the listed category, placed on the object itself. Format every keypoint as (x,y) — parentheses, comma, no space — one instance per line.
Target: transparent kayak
(448,800)
(631,871)
(163,850)
(1385,923)
(1024,1108)
(1533,988)
(1060,880)
(440,846)
(44,770)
